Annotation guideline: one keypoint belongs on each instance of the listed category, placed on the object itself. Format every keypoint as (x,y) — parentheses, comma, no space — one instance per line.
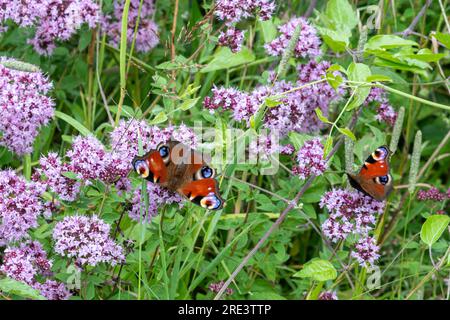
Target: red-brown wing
(204,192)
(373,170)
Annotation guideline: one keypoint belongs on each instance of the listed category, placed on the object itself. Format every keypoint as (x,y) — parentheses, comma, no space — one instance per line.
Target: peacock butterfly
(374,179)
(180,169)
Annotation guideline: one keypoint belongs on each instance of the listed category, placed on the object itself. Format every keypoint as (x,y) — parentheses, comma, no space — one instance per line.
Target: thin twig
(415,21)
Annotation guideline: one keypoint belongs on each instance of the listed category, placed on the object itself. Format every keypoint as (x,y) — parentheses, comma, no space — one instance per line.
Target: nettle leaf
(358,72)
(11,286)
(433,228)
(318,270)
(385,41)
(225,59)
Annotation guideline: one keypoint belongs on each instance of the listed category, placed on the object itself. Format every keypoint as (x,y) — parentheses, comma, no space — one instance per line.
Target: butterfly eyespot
(381,153)
(211,202)
(164,152)
(382,180)
(141,167)
(205,172)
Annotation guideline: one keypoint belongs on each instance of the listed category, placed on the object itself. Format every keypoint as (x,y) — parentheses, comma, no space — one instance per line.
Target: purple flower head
(350,212)
(53,290)
(310,159)
(25,262)
(287,149)
(328,295)
(87,240)
(51,171)
(54,19)
(231,38)
(215,287)
(386,113)
(431,194)
(147,31)
(308,44)
(296,111)
(366,251)
(24,106)
(86,157)
(157,196)
(237,10)
(20,206)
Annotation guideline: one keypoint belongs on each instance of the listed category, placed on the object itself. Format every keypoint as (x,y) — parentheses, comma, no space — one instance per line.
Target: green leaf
(444,38)
(74,123)
(189,103)
(70,175)
(298,139)
(317,269)
(321,116)
(433,228)
(225,59)
(347,132)
(328,146)
(358,72)
(272,102)
(159,118)
(384,41)
(336,40)
(268,29)
(266,296)
(378,78)
(11,286)
(127,111)
(342,14)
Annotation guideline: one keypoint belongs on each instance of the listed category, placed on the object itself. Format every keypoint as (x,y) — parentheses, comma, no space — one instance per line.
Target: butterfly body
(374,179)
(180,169)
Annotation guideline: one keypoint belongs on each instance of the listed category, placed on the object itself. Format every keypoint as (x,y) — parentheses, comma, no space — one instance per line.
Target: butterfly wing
(203,192)
(180,169)
(374,179)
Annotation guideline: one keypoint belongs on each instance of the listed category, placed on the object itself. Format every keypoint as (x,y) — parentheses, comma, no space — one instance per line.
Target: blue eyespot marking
(384,179)
(211,202)
(164,151)
(207,172)
(382,153)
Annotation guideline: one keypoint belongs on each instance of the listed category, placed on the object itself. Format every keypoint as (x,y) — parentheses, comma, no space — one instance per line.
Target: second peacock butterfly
(374,179)
(181,169)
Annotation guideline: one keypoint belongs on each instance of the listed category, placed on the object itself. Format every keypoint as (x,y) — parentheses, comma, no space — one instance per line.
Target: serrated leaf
(189,103)
(318,270)
(160,117)
(433,228)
